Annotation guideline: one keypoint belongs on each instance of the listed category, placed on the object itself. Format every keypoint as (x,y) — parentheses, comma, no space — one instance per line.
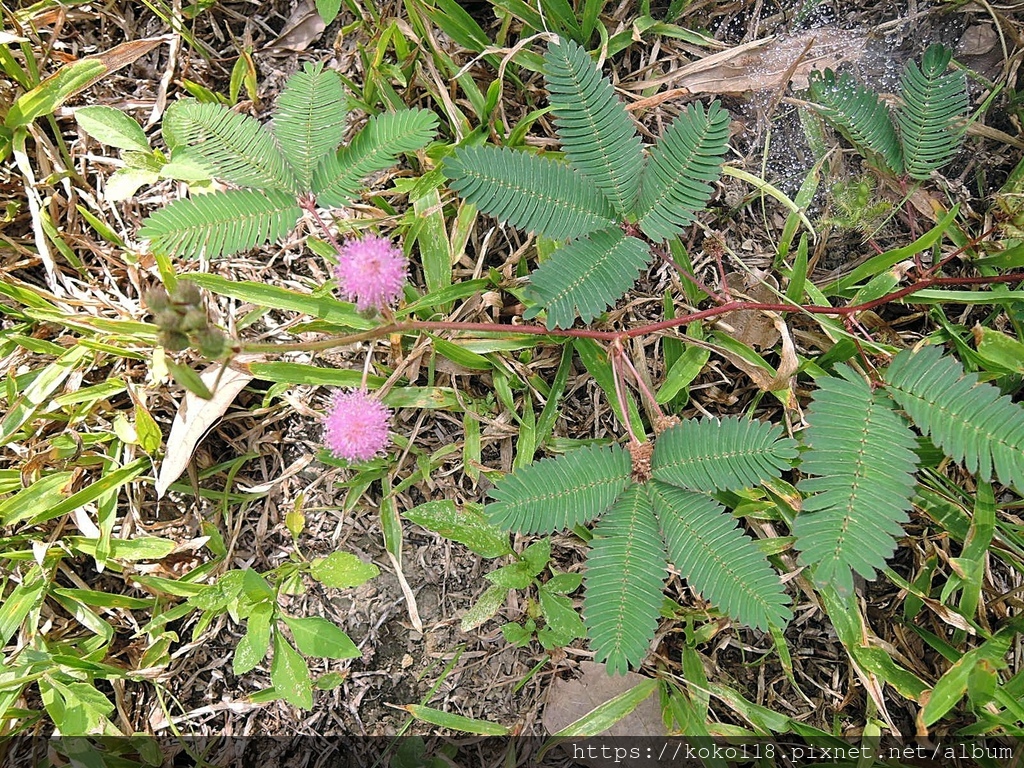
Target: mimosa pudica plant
(276,172)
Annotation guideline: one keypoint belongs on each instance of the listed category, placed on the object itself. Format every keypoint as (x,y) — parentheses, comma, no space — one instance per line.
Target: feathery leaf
(554,494)
(717,559)
(530,192)
(863,455)
(378,144)
(233,147)
(676,182)
(309,120)
(221,223)
(598,136)
(730,454)
(586,277)
(625,579)
(969,420)
(933,102)
(859,115)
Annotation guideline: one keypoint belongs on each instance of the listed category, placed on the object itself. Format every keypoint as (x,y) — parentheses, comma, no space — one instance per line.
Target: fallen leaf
(302,28)
(763,65)
(977,40)
(752,327)
(569,700)
(196,416)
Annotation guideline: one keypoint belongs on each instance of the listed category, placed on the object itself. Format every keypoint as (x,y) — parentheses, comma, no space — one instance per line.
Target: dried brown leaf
(569,700)
(302,28)
(196,416)
(763,65)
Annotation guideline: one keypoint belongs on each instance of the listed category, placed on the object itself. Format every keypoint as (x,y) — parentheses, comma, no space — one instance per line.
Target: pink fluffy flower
(371,272)
(356,427)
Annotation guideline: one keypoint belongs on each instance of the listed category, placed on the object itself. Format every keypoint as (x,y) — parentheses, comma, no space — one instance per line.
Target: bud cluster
(181,317)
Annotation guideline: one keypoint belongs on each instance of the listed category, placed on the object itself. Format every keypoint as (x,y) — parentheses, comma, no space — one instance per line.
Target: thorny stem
(408,326)
(959,251)
(715,246)
(725,304)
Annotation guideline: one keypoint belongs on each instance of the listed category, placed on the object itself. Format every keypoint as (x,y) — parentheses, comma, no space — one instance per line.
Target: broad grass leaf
(54,91)
(455,722)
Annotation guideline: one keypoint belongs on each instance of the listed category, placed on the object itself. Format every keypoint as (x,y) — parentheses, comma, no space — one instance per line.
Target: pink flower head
(371,272)
(356,427)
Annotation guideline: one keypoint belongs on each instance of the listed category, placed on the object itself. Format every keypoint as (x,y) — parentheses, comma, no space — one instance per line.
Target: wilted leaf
(303,26)
(761,65)
(73,78)
(598,703)
(752,327)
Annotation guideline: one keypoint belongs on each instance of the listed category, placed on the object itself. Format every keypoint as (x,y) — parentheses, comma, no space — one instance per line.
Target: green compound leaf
(220,224)
(586,277)
(625,579)
(597,134)
(555,494)
(730,454)
(717,559)
(969,420)
(676,182)
(934,102)
(859,115)
(863,455)
(309,120)
(233,147)
(529,192)
(339,177)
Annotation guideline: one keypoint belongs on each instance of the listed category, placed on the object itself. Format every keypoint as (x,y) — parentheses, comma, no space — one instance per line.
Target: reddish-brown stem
(725,304)
(726,290)
(955,254)
(641,330)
